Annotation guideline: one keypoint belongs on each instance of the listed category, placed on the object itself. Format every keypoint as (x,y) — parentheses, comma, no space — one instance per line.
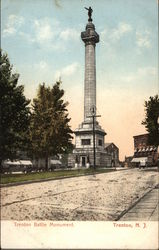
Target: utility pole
(94,145)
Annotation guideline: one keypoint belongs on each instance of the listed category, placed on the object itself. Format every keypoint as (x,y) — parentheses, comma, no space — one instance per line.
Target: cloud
(69,34)
(139,82)
(143,39)
(103,34)
(120,31)
(28,37)
(110,37)
(42,65)
(115,34)
(142,75)
(145,79)
(44,30)
(147,71)
(67,71)
(13,25)
(47,33)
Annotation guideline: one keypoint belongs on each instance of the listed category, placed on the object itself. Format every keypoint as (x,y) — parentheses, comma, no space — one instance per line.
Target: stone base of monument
(102,159)
(87,165)
(76,165)
(79,166)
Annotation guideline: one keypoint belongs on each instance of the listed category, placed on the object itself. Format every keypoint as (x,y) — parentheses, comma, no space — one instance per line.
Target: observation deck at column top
(90,35)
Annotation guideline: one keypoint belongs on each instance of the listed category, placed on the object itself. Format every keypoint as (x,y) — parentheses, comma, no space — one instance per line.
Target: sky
(42,39)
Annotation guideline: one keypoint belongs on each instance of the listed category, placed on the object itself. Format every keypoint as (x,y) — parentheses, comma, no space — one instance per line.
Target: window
(100,143)
(86,142)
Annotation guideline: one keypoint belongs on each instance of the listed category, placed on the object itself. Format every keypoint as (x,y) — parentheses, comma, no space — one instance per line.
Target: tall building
(86,142)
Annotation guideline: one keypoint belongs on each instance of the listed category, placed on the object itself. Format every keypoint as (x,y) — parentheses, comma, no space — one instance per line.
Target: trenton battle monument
(89,136)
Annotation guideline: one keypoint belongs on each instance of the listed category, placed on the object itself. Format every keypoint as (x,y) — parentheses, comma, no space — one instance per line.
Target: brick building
(143,151)
(113,151)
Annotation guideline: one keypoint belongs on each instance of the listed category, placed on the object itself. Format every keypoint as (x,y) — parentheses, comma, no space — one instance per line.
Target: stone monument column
(90,38)
(89,136)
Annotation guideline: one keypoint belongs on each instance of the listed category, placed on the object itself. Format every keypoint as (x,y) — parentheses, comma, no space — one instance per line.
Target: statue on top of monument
(89,13)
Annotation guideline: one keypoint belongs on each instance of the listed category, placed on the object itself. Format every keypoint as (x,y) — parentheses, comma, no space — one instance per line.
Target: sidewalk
(146,209)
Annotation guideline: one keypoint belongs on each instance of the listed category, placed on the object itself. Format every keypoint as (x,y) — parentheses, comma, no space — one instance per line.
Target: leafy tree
(14,111)
(50,132)
(151,119)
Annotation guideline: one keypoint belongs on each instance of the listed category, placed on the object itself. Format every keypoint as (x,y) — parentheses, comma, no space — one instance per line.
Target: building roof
(145,149)
(140,135)
(108,144)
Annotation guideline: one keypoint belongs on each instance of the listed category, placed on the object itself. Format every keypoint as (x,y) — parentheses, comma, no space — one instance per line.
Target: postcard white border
(83,235)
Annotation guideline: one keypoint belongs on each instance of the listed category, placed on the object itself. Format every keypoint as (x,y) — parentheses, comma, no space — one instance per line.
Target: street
(88,198)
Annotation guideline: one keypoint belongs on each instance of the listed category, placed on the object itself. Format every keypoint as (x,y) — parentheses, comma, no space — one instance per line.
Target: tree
(14,112)
(151,119)
(50,132)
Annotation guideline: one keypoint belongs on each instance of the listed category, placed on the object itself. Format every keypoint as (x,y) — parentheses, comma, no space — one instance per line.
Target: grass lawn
(13,178)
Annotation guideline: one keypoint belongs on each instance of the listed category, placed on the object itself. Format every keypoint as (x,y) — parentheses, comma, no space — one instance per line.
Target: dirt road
(102,197)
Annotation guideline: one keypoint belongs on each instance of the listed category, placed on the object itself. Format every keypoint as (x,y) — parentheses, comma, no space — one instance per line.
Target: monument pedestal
(83,154)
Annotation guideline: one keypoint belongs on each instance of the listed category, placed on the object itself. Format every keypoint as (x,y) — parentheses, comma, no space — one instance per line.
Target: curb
(134,204)
(44,180)
(53,179)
